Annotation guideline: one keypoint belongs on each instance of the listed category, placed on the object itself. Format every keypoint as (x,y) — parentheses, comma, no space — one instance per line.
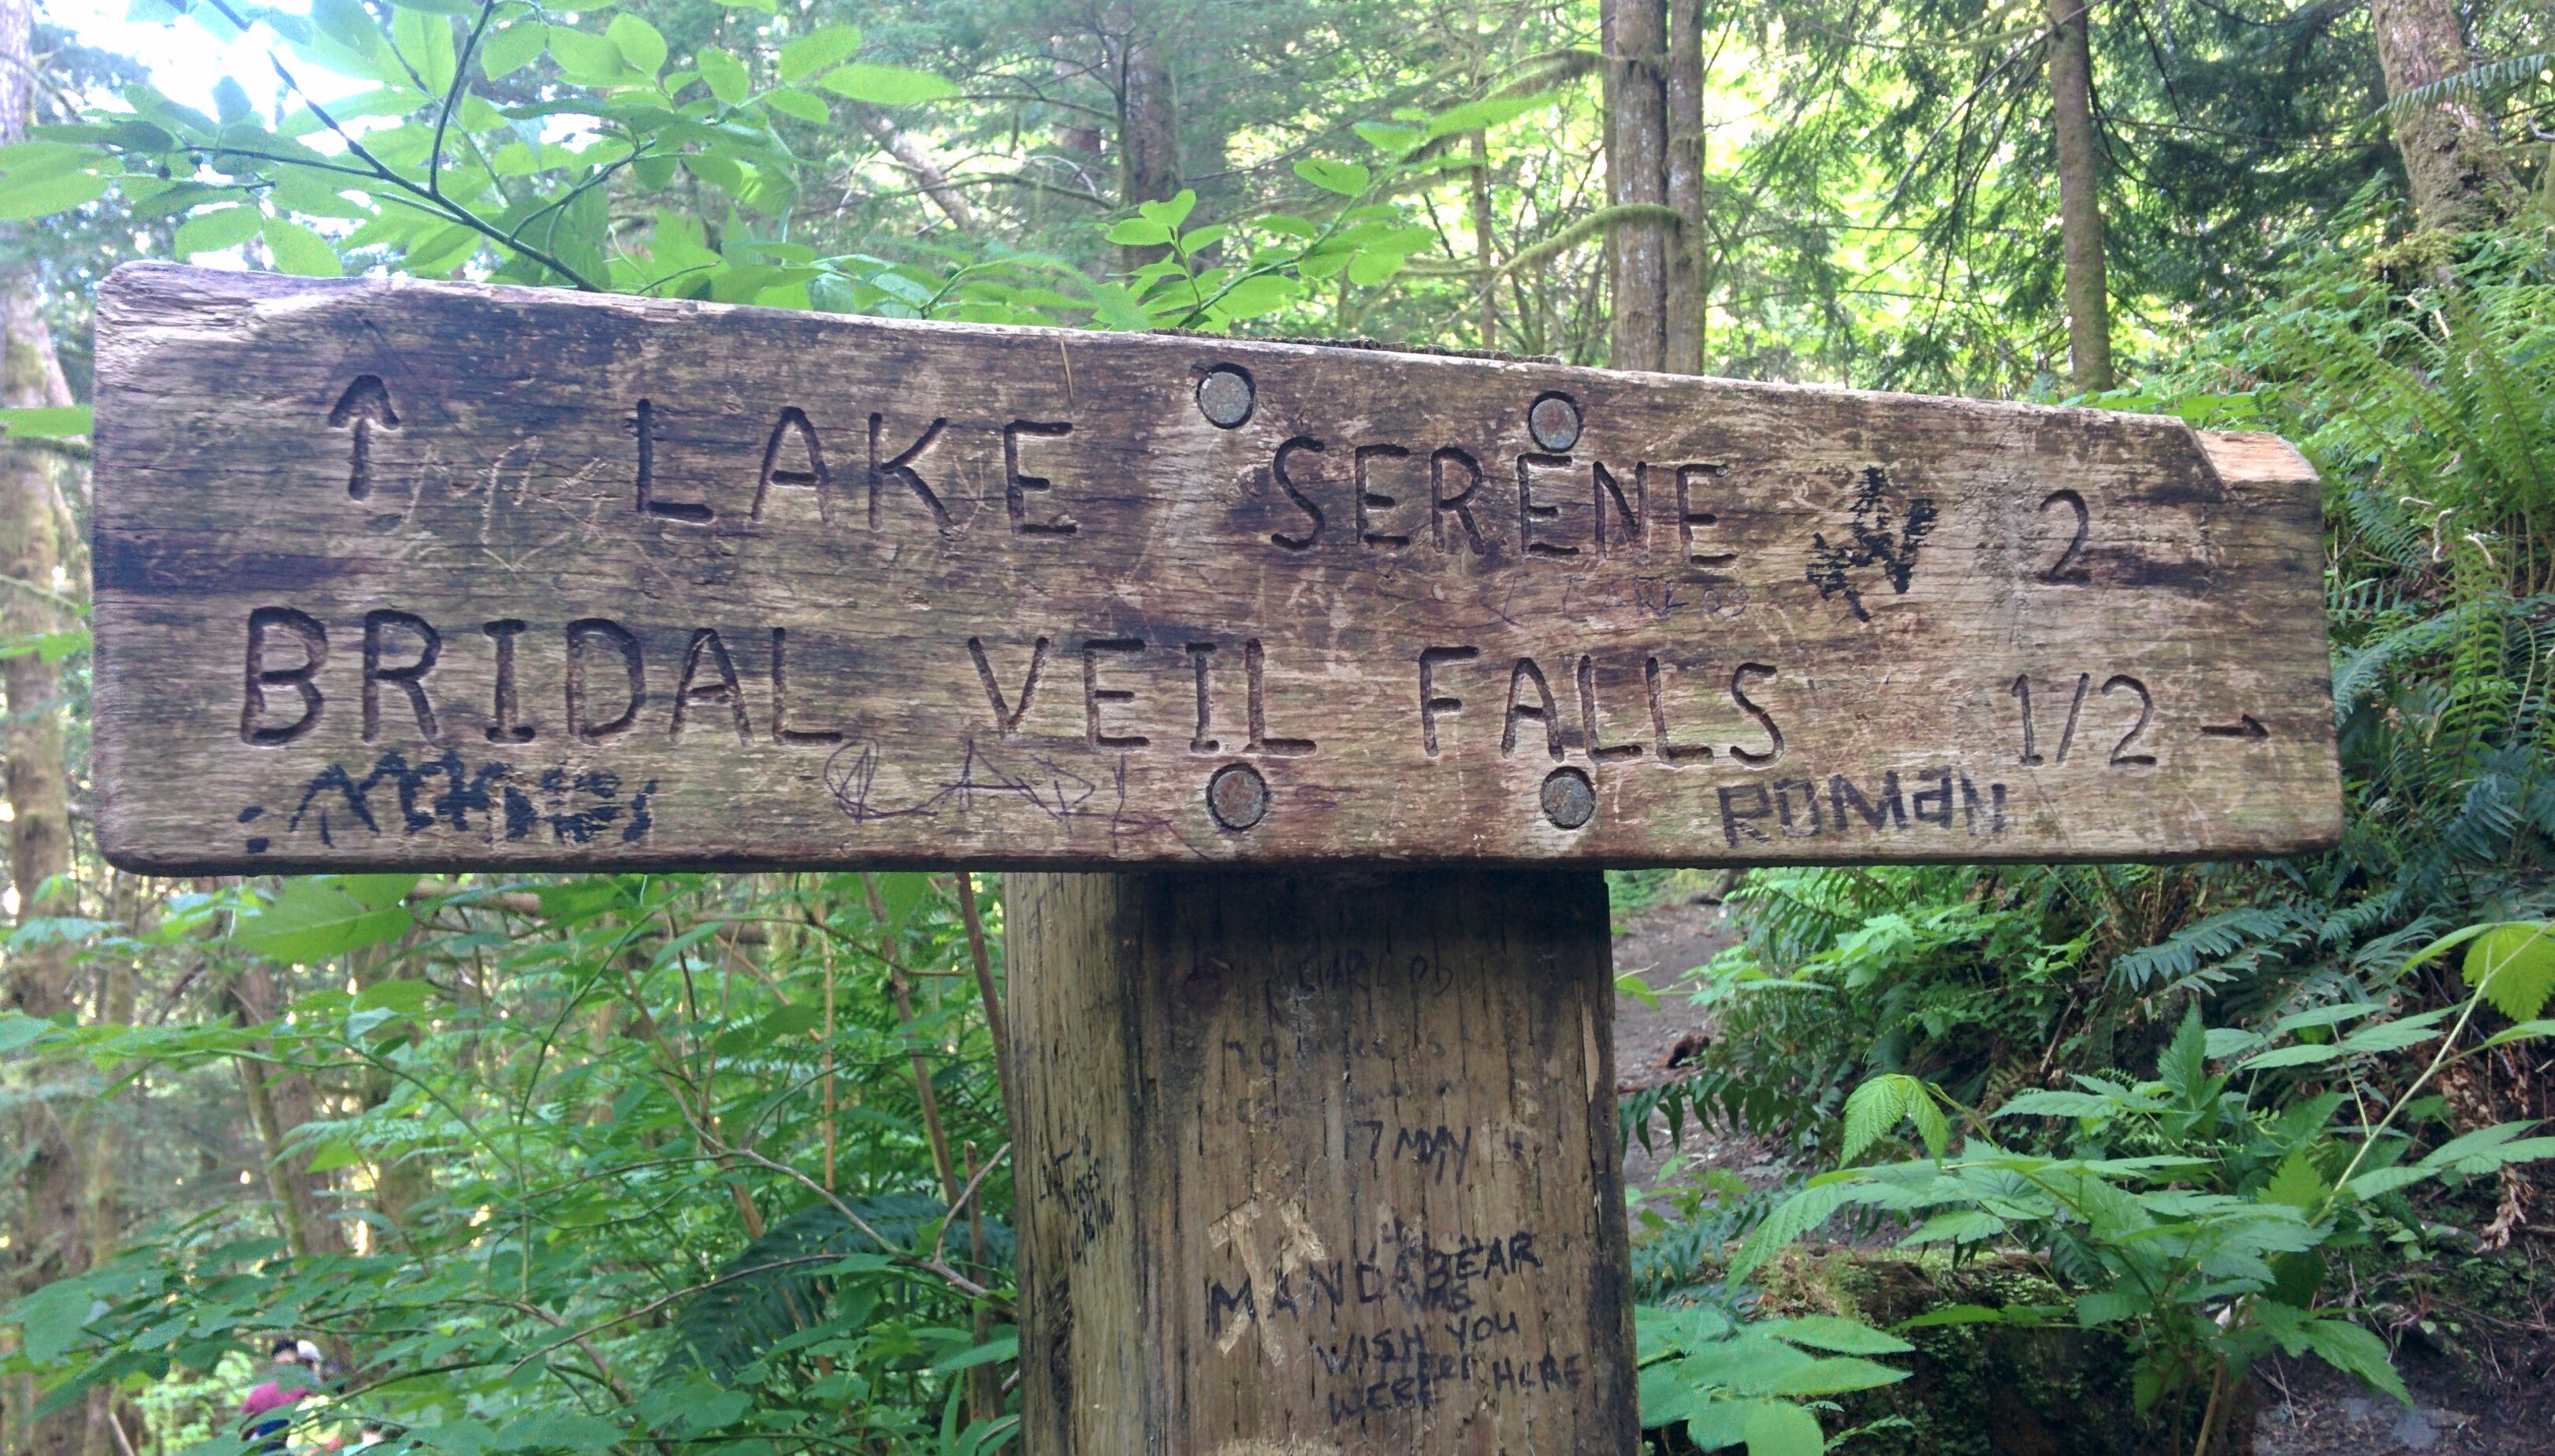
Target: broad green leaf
(2297,1183)
(817,50)
(2388,1037)
(2384,1180)
(1171,212)
(2354,1351)
(1347,178)
(297,250)
(724,74)
(67,422)
(1959,1226)
(1776,1429)
(2227,1042)
(1836,1377)
(2324,1015)
(2297,1055)
(504,52)
(1663,1395)
(2103,1306)
(426,42)
(1007,1348)
(44,196)
(407,995)
(1385,137)
(334,1156)
(1139,232)
(2059,1104)
(2514,963)
(1375,265)
(558,1430)
(2524,1032)
(800,105)
(1262,293)
(588,60)
(1718,1425)
(639,43)
(1874,1109)
(222,228)
(51,1318)
(231,102)
(1952,1314)
(18,1030)
(312,919)
(2183,1066)
(887,85)
(1474,116)
(1828,1332)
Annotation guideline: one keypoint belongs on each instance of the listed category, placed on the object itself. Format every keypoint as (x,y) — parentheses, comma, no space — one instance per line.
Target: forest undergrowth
(718,1164)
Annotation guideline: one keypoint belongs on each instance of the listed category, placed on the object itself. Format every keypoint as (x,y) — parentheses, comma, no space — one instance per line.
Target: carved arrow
(365,404)
(2247,726)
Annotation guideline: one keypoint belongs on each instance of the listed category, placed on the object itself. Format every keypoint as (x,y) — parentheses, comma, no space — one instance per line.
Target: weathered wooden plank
(399,573)
(1324,1167)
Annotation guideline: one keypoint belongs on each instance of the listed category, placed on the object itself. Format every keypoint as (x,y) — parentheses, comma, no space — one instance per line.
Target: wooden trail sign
(394,573)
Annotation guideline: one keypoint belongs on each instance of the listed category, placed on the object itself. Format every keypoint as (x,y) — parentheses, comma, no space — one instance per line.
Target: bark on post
(1319,1164)
(1634,35)
(2458,178)
(2080,198)
(1689,291)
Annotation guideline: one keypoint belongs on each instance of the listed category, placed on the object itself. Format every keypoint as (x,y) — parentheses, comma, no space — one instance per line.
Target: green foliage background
(667,1161)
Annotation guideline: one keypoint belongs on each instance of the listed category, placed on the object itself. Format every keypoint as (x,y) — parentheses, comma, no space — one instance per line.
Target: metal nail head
(1569,799)
(1224,396)
(1553,420)
(1238,796)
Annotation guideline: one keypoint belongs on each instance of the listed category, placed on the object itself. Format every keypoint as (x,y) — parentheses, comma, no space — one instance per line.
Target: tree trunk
(1486,262)
(1318,1163)
(2460,180)
(280,1100)
(402,1180)
(1689,282)
(50,1241)
(2080,198)
(102,1214)
(914,154)
(1149,130)
(1637,144)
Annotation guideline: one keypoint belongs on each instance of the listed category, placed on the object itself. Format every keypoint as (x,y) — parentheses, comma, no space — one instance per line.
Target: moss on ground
(1978,1390)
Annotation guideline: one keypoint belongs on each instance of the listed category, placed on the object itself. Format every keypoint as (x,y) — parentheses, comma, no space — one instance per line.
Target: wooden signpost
(401,575)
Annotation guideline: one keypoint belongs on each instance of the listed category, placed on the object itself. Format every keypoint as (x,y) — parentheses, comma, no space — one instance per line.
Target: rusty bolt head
(1238,796)
(1569,799)
(1224,396)
(1553,420)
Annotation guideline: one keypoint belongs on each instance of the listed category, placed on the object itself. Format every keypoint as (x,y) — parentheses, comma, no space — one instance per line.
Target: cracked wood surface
(398,574)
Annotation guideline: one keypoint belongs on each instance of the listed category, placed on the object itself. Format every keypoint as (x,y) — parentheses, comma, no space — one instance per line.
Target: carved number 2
(2120,757)
(2064,571)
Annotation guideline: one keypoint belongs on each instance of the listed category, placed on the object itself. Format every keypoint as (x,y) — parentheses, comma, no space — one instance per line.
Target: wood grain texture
(1323,1166)
(718,587)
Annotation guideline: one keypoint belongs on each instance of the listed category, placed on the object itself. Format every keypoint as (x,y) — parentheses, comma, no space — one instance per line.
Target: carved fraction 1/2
(2121,755)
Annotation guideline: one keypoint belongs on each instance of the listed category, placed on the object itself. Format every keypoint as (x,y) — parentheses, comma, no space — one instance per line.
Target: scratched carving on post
(885,591)
(1422,1303)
